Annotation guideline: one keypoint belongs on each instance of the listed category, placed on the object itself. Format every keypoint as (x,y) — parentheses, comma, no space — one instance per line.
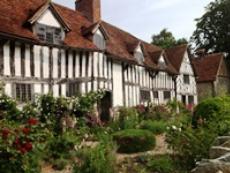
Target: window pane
(167,95)
(145,95)
(186,79)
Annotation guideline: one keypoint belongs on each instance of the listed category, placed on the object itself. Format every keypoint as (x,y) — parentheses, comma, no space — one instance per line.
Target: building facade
(49,48)
(213,77)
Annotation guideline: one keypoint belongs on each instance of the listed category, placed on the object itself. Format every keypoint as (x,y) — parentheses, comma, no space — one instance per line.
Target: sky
(143,18)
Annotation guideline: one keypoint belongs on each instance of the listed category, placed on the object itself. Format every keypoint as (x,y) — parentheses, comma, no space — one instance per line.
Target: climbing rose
(26,131)
(5,133)
(28,146)
(32,121)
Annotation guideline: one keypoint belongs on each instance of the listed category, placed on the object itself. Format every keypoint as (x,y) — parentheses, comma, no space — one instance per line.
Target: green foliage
(191,145)
(161,164)
(128,119)
(134,140)
(212,32)
(85,103)
(100,159)
(159,112)
(165,39)
(8,108)
(156,127)
(213,113)
(61,146)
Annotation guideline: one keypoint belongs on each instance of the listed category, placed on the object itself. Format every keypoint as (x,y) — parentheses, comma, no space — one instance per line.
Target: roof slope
(176,54)
(15,15)
(207,67)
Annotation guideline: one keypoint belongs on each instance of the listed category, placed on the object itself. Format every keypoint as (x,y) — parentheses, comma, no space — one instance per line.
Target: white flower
(174,127)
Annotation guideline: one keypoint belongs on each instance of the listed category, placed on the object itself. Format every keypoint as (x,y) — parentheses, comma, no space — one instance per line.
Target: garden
(65,134)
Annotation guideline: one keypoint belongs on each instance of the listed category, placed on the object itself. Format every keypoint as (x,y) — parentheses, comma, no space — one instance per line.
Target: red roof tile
(207,67)
(176,55)
(14,15)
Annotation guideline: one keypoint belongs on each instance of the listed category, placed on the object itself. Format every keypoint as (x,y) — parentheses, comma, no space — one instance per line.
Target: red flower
(5,133)
(22,150)
(26,131)
(32,121)
(28,146)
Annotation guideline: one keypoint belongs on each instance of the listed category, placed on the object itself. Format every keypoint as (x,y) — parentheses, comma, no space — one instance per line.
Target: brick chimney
(90,8)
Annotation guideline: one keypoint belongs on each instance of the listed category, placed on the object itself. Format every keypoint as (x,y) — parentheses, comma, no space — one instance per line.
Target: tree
(213,28)
(165,39)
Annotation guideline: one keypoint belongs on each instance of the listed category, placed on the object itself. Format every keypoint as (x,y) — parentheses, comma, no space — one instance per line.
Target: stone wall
(219,155)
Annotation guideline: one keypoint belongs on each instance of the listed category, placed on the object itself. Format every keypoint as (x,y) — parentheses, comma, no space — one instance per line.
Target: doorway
(105,107)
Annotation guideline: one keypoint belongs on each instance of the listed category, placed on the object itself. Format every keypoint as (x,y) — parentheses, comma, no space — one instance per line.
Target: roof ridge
(135,37)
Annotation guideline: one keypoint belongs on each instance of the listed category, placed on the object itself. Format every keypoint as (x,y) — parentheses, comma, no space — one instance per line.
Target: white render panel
(63,90)
(100,65)
(27,61)
(90,66)
(63,66)
(77,65)
(117,85)
(105,67)
(83,88)
(47,18)
(37,61)
(37,89)
(46,88)
(83,72)
(8,89)
(17,60)
(55,62)
(89,86)
(46,59)
(95,66)
(55,90)
(6,56)
(70,65)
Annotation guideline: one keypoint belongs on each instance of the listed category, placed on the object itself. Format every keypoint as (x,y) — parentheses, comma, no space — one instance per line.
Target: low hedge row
(134,140)
(156,127)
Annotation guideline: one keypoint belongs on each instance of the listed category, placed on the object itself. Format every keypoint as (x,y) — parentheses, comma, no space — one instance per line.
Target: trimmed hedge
(134,140)
(156,127)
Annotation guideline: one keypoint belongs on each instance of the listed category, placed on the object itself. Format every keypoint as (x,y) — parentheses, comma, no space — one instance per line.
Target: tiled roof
(176,55)
(15,14)
(207,67)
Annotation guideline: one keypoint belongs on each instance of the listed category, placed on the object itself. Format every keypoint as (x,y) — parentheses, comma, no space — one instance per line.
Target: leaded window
(145,95)
(49,34)
(23,92)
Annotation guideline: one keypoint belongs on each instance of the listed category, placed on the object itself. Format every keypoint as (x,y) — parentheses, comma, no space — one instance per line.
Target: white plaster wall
(37,61)
(46,60)
(77,65)
(70,65)
(27,61)
(63,90)
(48,19)
(6,56)
(55,62)
(46,88)
(37,89)
(84,65)
(63,66)
(8,89)
(17,59)
(117,85)
(55,90)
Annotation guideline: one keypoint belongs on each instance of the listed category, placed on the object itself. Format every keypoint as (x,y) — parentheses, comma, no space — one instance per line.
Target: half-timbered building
(48,48)
(186,87)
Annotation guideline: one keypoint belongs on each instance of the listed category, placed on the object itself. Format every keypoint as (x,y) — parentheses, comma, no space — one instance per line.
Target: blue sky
(143,18)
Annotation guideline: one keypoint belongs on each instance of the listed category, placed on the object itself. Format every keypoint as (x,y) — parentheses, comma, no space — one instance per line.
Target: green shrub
(128,118)
(134,140)
(156,127)
(100,159)
(191,145)
(61,146)
(208,109)
(161,164)
(159,112)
